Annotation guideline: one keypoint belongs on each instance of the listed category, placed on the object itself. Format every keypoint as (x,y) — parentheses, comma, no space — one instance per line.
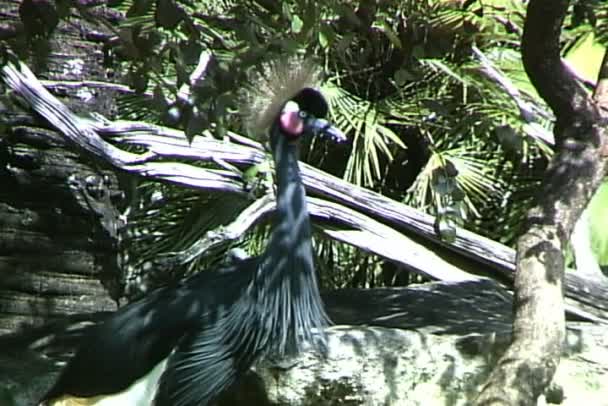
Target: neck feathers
(288,266)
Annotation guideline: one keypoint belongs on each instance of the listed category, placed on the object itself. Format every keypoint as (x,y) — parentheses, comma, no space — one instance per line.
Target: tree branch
(426,252)
(339,223)
(541,54)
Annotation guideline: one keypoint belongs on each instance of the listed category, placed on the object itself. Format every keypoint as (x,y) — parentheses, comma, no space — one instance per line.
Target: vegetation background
(432,95)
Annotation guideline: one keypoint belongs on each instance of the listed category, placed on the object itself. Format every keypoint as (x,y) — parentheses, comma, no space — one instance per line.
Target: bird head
(304,115)
(284,97)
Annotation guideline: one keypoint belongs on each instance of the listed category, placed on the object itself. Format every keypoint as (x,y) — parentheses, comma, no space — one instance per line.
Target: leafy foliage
(427,126)
(431,93)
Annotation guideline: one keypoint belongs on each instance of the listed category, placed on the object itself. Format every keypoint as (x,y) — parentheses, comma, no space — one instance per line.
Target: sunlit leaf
(598,222)
(296,24)
(585,57)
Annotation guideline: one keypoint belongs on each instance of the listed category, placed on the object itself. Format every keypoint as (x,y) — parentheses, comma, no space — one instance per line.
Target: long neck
(288,268)
(291,235)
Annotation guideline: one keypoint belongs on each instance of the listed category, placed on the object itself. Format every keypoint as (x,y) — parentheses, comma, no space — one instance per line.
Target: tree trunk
(58,225)
(576,171)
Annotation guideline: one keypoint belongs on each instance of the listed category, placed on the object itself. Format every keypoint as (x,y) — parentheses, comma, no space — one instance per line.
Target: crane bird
(184,344)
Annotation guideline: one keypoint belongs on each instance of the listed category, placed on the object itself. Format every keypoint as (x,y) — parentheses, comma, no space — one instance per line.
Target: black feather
(312,101)
(127,345)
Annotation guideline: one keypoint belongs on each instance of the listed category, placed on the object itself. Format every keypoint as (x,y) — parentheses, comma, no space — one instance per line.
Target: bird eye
(302,114)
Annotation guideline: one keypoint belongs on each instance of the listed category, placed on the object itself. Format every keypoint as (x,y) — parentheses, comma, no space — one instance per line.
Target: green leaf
(323,40)
(197,122)
(440,65)
(296,24)
(326,36)
(392,36)
(598,222)
(402,76)
(585,56)
(168,14)
(140,7)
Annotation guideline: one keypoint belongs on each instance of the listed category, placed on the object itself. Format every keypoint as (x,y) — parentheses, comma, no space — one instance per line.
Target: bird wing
(133,340)
(124,347)
(199,370)
(211,358)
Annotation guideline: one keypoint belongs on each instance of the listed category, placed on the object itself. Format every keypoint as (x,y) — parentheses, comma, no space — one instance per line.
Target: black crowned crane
(183,345)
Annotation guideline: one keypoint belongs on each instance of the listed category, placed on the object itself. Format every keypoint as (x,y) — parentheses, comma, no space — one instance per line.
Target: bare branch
(196,77)
(163,144)
(342,224)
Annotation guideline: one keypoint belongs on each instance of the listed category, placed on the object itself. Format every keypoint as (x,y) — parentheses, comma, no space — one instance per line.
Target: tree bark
(577,169)
(58,224)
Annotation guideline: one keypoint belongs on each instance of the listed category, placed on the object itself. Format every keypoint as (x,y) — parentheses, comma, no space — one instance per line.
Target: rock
(383,366)
(450,337)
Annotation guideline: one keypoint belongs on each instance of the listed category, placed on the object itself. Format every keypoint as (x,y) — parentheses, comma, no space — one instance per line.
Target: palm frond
(373,141)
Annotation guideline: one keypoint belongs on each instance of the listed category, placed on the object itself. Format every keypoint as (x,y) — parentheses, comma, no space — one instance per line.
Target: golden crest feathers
(276,83)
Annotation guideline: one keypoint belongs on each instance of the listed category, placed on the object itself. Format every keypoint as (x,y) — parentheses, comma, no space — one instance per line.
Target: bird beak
(323,128)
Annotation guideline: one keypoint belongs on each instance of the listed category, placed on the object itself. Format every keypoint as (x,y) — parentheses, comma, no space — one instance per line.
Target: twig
(196,77)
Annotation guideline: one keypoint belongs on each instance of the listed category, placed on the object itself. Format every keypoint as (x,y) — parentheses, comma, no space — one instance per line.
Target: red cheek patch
(291,123)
